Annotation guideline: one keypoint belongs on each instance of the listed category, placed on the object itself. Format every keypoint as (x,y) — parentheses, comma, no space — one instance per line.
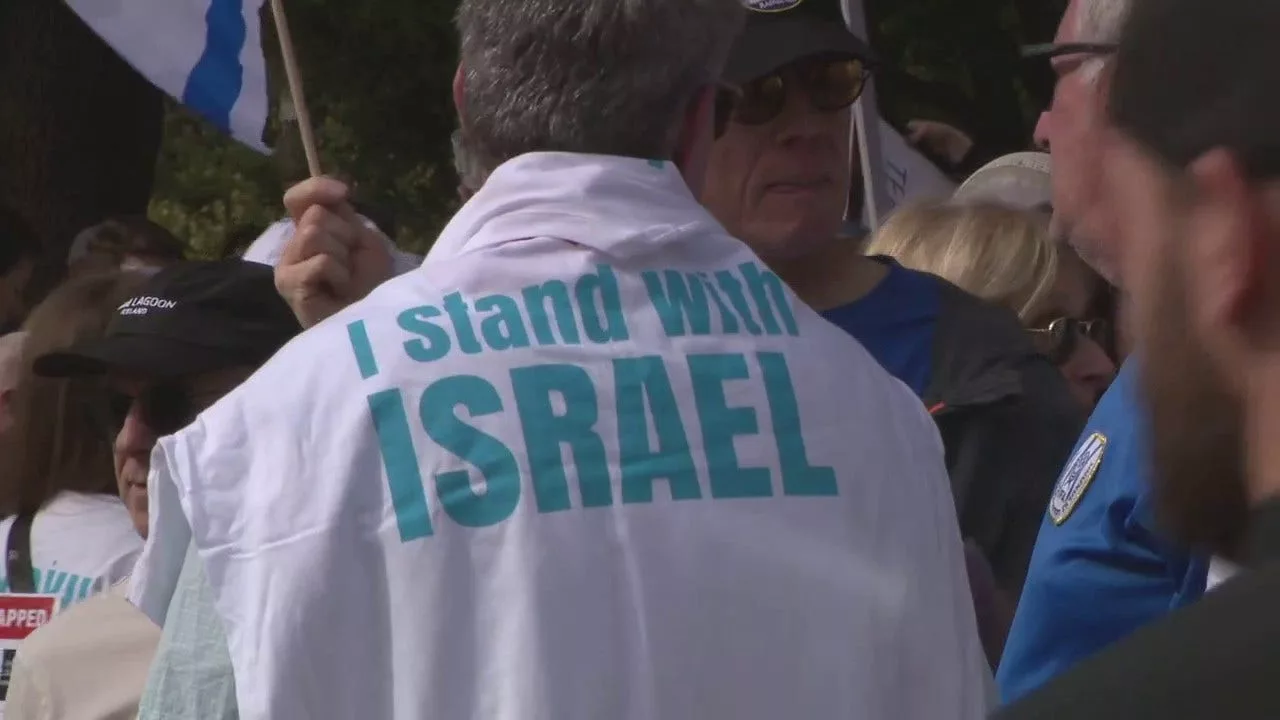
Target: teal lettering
(545,431)
(86,587)
(769,293)
(676,301)
(721,424)
(73,588)
(69,590)
(459,315)
(727,319)
(362,349)
(404,480)
(53,582)
(733,288)
(418,321)
(504,329)
(613,326)
(483,451)
(798,476)
(638,380)
(535,300)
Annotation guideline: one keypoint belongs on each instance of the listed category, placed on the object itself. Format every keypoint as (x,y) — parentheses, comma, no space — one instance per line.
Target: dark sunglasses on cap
(831,84)
(1061,337)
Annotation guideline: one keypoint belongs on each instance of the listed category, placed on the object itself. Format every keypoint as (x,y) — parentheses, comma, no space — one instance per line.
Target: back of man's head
(470,174)
(1194,75)
(610,77)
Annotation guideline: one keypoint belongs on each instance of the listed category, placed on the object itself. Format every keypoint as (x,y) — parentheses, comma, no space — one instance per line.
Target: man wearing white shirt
(592,460)
(191,675)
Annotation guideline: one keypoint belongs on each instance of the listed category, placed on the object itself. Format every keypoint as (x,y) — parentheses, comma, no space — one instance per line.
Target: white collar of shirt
(1220,571)
(618,206)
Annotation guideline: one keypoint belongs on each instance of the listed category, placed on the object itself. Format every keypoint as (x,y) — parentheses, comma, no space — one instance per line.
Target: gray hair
(470,173)
(610,77)
(1100,21)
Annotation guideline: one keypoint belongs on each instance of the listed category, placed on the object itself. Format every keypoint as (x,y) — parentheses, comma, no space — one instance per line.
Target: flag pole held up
(294,75)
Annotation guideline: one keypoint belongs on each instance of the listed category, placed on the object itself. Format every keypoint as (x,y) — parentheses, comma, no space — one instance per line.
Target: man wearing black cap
(779,178)
(194,332)
(1192,176)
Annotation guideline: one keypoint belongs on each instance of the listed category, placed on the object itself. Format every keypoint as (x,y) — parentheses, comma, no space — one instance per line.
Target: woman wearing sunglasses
(65,529)
(1007,256)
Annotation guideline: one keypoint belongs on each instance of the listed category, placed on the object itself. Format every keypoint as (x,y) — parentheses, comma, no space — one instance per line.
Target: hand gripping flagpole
(295,88)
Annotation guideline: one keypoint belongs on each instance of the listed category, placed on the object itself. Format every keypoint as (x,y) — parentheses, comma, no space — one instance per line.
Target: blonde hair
(1001,254)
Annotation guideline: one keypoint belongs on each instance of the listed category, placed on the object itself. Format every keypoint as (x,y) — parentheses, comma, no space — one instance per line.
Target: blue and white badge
(1076,477)
(771,6)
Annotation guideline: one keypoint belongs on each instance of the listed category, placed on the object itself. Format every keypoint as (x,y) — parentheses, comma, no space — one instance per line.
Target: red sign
(21,615)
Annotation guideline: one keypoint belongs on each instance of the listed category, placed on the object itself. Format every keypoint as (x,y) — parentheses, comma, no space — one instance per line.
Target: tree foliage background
(378,75)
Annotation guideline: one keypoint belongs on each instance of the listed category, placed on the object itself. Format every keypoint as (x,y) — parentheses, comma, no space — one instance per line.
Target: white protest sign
(904,175)
(20,615)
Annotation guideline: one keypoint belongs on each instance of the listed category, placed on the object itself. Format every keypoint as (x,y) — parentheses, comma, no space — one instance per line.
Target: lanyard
(18,558)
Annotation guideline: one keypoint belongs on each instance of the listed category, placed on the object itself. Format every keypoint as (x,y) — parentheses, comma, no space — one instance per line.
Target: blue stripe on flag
(215,82)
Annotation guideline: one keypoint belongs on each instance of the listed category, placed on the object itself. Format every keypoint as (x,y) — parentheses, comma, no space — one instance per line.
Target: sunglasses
(1059,340)
(165,408)
(830,85)
(726,99)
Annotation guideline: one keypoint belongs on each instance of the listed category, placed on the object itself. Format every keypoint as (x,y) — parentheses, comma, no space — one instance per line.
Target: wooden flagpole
(295,88)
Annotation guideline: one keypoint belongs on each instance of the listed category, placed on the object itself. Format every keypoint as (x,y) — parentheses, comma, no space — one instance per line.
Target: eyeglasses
(165,408)
(1053,50)
(831,84)
(1059,340)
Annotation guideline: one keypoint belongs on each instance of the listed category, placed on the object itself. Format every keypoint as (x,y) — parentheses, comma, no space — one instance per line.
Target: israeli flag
(207,54)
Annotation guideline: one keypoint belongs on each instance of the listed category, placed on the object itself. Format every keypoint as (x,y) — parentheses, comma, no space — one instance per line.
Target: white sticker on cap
(771,6)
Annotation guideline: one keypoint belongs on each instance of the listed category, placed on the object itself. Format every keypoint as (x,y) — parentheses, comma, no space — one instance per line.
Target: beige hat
(1020,179)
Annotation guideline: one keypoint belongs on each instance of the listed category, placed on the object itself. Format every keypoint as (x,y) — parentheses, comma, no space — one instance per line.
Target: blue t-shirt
(895,323)
(1099,570)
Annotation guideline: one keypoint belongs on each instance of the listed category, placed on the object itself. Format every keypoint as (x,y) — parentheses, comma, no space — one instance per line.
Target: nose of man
(1041,134)
(135,436)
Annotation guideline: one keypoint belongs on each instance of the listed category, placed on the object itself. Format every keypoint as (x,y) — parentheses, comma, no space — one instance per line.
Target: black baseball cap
(1193,75)
(780,32)
(190,318)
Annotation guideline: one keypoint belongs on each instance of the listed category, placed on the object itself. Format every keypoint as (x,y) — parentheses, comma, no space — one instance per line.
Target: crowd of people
(646,435)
